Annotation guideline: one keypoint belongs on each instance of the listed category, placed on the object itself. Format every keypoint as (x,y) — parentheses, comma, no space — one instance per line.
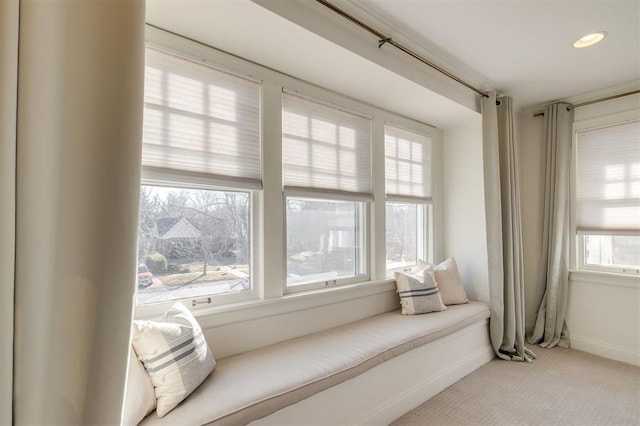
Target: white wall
(626,103)
(603,316)
(603,312)
(330,26)
(465,235)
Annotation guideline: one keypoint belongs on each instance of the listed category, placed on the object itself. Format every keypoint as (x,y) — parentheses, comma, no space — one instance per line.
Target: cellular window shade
(608,179)
(407,165)
(325,150)
(202,121)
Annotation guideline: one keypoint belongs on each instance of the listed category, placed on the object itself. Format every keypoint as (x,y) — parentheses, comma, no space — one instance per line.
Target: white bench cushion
(251,385)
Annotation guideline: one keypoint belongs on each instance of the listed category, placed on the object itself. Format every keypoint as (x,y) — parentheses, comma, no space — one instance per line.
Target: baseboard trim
(605,350)
(427,389)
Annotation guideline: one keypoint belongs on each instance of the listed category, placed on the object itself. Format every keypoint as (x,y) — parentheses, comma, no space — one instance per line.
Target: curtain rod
(595,101)
(382,39)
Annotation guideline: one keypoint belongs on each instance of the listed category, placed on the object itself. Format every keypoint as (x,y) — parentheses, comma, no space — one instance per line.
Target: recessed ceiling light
(589,39)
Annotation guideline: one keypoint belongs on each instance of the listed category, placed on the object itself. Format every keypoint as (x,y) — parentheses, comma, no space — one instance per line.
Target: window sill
(256,309)
(604,278)
(216,316)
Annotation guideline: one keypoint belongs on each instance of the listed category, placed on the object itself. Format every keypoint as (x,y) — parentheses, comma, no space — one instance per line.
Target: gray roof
(179,227)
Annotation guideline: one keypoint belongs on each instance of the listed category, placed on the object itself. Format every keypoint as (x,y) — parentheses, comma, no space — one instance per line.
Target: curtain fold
(79,120)
(550,328)
(504,235)
(9,28)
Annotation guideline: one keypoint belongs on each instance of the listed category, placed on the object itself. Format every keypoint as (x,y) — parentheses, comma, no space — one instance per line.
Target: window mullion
(271,247)
(435,243)
(378,254)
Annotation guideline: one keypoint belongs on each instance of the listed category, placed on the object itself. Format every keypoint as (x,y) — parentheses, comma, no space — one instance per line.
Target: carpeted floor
(560,387)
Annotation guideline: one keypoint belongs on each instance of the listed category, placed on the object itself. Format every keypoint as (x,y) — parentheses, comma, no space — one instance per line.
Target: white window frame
(156,177)
(362,233)
(582,265)
(428,241)
(185,49)
(269,292)
(577,249)
(327,100)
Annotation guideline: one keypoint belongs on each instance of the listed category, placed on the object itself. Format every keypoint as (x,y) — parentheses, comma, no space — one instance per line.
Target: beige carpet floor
(561,387)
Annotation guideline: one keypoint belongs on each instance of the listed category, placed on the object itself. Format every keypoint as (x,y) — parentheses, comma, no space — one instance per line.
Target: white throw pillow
(418,293)
(450,282)
(175,355)
(140,397)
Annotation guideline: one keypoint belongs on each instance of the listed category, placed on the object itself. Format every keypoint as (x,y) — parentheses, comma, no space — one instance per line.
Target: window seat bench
(293,382)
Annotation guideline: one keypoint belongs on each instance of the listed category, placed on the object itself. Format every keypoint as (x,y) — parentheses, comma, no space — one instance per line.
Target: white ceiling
(520,48)
(524,48)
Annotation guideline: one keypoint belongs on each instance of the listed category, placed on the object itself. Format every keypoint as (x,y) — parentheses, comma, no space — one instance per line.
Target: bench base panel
(389,390)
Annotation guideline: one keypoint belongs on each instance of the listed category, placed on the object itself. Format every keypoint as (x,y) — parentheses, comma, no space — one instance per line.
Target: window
(229,215)
(607,197)
(325,240)
(408,188)
(192,243)
(612,251)
(201,159)
(406,234)
(326,154)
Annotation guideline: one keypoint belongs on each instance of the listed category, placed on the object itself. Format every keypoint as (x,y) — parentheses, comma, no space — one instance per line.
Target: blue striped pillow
(418,292)
(174,354)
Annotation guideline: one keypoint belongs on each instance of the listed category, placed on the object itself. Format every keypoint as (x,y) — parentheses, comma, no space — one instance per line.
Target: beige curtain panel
(550,328)
(9,25)
(504,235)
(79,131)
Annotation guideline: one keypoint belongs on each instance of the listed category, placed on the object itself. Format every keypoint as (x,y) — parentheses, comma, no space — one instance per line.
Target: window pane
(324,240)
(192,242)
(404,240)
(616,251)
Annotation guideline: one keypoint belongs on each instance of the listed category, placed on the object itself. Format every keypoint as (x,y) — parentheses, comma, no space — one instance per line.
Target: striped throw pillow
(175,355)
(418,293)
(140,398)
